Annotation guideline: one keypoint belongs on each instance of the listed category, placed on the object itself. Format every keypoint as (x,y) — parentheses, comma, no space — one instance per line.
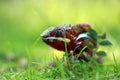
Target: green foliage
(101,53)
(93,34)
(105,43)
(102,36)
(103,40)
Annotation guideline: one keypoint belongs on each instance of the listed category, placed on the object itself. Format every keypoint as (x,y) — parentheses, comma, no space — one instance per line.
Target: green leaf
(93,34)
(102,36)
(105,43)
(90,45)
(101,53)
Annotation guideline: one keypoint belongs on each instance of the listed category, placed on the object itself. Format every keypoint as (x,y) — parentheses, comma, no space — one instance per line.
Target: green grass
(78,71)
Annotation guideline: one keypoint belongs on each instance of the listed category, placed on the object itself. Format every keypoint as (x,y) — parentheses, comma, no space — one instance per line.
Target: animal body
(77,38)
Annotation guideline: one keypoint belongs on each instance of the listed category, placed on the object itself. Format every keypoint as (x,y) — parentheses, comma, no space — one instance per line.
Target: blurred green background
(22,22)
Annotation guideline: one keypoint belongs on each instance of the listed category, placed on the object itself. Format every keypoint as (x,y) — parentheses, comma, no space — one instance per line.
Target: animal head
(55,37)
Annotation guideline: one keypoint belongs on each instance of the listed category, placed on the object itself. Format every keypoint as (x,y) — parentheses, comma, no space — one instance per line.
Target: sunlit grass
(84,70)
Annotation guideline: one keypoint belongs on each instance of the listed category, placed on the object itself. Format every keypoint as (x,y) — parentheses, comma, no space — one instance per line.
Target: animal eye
(59,29)
(59,33)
